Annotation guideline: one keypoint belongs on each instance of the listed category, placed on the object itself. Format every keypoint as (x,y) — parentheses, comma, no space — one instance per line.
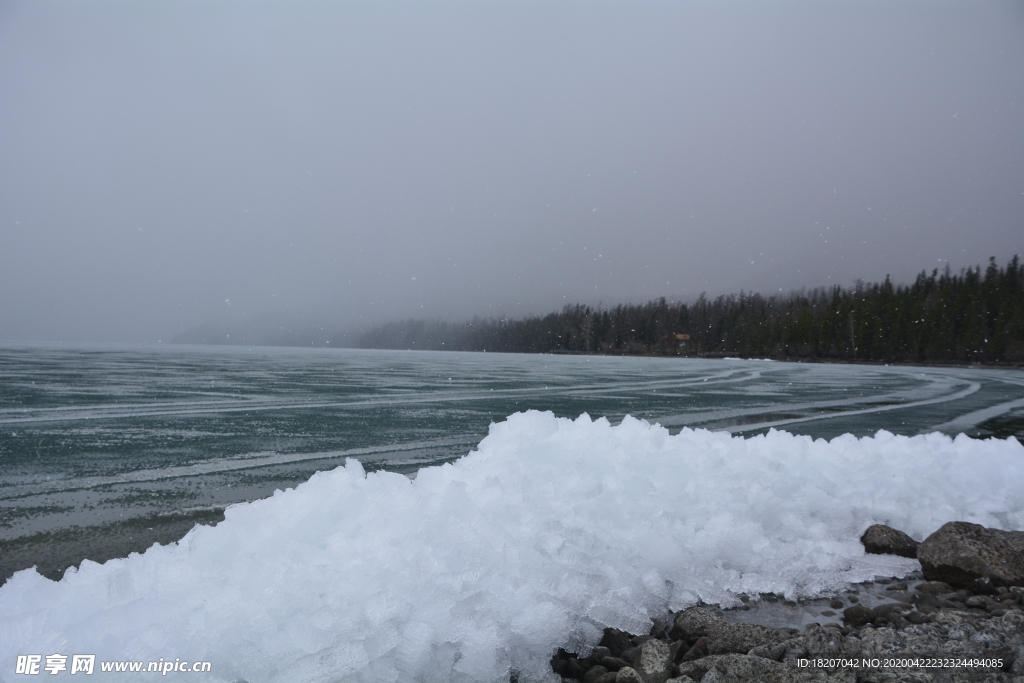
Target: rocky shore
(960,619)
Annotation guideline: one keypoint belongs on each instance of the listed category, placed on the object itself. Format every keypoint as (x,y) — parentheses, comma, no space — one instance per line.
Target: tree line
(972,316)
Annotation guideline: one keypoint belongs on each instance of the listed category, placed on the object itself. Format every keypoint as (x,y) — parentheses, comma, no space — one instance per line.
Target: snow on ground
(551,530)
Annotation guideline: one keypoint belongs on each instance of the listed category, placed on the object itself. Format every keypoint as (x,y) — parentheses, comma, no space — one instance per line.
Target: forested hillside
(974,316)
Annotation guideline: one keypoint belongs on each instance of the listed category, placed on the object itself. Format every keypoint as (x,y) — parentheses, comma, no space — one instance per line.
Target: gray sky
(164,163)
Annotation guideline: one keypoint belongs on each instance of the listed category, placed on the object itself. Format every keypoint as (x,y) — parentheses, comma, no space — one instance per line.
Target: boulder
(857,615)
(699,649)
(714,635)
(614,663)
(826,641)
(693,623)
(628,675)
(885,610)
(774,651)
(566,665)
(725,638)
(616,641)
(934,588)
(880,539)
(653,662)
(964,554)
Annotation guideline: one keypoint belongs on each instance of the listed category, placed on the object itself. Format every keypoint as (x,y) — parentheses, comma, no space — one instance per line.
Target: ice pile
(550,531)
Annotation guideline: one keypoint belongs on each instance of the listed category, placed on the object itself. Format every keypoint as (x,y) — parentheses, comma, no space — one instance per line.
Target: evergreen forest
(976,316)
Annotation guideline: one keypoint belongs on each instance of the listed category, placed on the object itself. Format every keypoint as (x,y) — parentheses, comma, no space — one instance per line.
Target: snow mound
(551,530)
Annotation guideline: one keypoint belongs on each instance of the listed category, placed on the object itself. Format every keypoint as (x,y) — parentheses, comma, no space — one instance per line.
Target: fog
(167,164)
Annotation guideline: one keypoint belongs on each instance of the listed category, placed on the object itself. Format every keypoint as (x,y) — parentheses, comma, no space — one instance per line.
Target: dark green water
(106,450)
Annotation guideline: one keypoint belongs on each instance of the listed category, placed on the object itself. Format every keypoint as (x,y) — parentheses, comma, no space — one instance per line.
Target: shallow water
(105,450)
(777,612)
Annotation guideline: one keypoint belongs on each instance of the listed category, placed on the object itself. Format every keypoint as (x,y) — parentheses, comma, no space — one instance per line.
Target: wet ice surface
(97,437)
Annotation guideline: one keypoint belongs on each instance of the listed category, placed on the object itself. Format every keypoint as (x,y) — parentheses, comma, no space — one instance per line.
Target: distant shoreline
(974,318)
(1012,365)
(1005,365)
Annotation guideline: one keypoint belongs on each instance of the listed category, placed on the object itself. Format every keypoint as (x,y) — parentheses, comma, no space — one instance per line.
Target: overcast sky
(165,163)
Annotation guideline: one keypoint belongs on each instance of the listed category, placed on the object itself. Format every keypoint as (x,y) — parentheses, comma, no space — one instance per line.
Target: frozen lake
(550,530)
(104,450)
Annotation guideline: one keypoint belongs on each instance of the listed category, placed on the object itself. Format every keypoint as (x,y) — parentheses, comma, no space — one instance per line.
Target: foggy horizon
(165,166)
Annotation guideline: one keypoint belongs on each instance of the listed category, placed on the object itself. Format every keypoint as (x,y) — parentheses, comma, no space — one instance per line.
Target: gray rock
(796,648)
(724,638)
(774,651)
(897,620)
(890,608)
(699,649)
(981,602)
(961,553)
(653,662)
(616,641)
(567,668)
(1018,663)
(1008,599)
(735,668)
(828,642)
(917,618)
(693,623)
(983,585)
(900,596)
(957,624)
(857,615)
(628,674)
(884,540)
(754,668)
(613,663)
(659,628)
(934,587)
(954,616)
